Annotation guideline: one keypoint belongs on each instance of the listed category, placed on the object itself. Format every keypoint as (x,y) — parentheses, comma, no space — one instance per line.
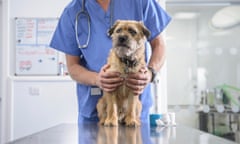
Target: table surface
(91,133)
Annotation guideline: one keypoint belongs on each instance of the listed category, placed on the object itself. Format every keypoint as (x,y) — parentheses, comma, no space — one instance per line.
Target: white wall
(0,70)
(182,61)
(31,104)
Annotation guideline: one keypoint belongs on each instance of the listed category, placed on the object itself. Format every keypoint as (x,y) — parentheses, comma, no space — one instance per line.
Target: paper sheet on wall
(33,54)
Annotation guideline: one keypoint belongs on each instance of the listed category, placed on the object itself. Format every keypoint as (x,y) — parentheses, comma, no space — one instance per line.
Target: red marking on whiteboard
(49,51)
(33,52)
(25,65)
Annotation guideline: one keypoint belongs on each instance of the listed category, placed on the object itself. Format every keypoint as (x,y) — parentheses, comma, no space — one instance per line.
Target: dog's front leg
(132,111)
(111,119)
(101,108)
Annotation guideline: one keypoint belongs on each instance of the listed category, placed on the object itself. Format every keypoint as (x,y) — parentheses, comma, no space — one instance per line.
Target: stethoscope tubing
(83,12)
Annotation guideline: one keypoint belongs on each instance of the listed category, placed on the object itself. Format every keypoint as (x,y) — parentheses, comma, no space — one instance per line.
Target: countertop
(91,133)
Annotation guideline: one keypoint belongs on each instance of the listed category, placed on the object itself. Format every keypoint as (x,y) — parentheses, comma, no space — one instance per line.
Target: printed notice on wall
(33,54)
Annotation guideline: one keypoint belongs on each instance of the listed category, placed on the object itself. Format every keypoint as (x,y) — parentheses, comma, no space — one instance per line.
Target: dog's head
(128,36)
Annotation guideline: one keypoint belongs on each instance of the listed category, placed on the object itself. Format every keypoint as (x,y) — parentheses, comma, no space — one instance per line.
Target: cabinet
(40,103)
(224,124)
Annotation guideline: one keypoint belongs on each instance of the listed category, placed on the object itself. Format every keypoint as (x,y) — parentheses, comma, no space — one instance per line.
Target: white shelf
(40,78)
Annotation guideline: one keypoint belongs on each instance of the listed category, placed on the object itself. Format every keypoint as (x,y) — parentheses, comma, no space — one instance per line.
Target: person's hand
(138,81)
(108,81)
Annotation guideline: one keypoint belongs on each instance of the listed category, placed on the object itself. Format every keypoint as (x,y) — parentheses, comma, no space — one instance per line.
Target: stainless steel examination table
(91,133)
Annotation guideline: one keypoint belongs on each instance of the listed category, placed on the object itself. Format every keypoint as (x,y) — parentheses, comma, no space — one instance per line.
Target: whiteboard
(33,54)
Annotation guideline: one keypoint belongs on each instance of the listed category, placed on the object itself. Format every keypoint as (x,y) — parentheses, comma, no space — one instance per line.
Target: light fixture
(185,15)
(227,17)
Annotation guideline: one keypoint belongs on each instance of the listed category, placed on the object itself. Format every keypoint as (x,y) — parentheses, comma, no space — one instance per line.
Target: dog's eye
(132,31)
(118,30)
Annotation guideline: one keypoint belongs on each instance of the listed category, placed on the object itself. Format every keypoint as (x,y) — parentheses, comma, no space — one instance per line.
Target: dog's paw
(131,122)
(101,122)
(111,122)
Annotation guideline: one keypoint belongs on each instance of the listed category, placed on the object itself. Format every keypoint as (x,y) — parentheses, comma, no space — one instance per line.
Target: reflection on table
(91,133)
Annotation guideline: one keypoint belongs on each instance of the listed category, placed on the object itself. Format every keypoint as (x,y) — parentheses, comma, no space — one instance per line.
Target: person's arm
(138,81)
(79,73)
(158,53)
(107,81)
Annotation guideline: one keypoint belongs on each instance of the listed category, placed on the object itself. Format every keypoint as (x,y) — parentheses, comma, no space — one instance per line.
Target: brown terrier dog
(126,56)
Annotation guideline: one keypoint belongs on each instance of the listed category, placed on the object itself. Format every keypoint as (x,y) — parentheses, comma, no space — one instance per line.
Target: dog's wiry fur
(126,56)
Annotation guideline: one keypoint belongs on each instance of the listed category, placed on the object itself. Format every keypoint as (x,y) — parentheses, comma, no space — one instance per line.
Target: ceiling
(203,2)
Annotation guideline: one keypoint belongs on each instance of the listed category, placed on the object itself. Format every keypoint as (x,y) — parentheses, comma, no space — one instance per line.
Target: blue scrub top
(95,55)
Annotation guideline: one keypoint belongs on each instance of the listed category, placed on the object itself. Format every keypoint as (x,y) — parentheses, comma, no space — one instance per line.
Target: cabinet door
(40,105)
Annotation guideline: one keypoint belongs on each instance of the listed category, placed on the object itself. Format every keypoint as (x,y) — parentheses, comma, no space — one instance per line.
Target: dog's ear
(111,30)
(145,30)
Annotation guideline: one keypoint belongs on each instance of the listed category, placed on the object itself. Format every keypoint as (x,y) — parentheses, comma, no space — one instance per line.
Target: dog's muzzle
(123,40)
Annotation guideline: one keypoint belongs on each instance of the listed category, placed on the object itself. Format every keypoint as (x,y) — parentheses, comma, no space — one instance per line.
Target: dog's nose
(122,39)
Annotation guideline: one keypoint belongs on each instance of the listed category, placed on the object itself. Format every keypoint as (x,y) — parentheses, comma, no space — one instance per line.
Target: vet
(83,38)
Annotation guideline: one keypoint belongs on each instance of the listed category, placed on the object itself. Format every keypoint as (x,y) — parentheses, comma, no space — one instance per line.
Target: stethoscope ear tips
(109,33)
(110,30)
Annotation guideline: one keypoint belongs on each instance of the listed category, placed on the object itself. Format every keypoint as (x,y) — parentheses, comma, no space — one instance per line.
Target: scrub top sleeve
(155,17)
(64,36)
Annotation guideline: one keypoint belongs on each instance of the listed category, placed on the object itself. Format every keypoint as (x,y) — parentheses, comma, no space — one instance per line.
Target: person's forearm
(158,53)
(78,72)
(82,75)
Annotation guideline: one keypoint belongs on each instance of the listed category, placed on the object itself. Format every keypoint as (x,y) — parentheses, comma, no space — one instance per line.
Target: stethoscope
(83,12)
